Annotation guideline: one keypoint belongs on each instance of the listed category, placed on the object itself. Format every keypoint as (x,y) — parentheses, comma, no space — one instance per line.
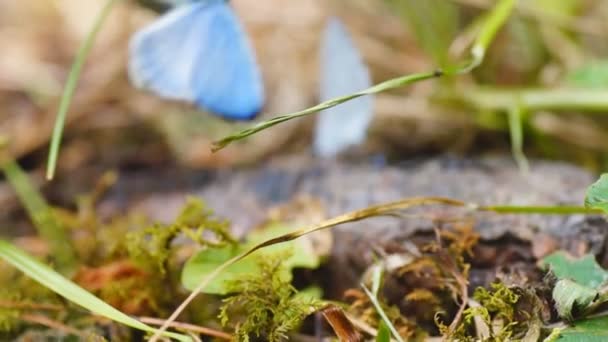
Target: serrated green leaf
(207,260)
(586,330)
(597,194)
(69,290)
(584,271)
(570,296)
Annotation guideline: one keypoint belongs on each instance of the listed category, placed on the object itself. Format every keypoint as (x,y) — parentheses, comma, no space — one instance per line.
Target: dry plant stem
(43,320)
(188,327)
(29,306)
(460,280)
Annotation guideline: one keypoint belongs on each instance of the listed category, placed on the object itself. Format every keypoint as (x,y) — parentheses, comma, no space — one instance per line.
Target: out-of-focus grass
(70,87)
(49,228)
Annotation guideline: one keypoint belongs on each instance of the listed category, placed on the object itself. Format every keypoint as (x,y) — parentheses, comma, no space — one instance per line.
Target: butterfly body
(198,52)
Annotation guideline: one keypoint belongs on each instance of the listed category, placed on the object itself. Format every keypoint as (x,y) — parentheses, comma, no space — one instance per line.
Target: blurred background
(550,50)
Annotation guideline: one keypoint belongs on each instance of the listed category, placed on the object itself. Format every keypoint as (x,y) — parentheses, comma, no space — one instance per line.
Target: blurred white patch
(342,72)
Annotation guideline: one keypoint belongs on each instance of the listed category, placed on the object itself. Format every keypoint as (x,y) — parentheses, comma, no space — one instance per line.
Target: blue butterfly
(343,72)
(197,52)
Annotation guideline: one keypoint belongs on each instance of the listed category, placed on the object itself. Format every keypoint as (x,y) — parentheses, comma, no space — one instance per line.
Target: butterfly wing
(343,72)
(199,53)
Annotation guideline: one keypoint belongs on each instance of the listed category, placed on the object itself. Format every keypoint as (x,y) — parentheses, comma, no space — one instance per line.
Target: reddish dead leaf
(97,278)
(341,325)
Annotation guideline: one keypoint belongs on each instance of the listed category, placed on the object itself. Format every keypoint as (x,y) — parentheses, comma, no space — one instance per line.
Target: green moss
(20,294)
(151,247)
(500,301)
(9,317)
(508,313)
(265,305)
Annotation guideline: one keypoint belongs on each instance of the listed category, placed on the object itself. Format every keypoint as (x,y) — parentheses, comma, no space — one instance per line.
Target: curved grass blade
(69,290)
(493,22)
(385,327)
(378,88)
(70,87)
(381,312)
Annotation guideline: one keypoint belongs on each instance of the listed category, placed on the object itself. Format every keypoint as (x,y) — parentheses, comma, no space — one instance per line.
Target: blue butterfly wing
(234,86)
(199,53)
(343,72)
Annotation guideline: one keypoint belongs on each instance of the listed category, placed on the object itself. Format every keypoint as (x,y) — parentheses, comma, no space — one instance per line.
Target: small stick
(188,327)
(43,320)
(29,306)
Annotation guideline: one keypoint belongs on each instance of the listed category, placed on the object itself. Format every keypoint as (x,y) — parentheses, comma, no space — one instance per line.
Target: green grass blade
(381,313)
(495,20)
(516,132)
(69,290)
(49,228)
(378,88)
(70,87)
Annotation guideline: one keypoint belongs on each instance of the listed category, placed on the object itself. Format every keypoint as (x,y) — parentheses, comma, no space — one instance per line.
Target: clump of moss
(151,246)
(20,294)
(507,314)
(9,316)
(265,305)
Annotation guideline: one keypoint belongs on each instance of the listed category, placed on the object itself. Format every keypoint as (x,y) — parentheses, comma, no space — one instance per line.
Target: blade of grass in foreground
(42,216)
(377,276)
(70,86)
(69,290)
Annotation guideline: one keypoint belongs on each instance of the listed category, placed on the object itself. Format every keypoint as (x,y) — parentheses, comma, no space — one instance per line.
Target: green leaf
(384,334)
(586,330)
(69,290)
(207,260)
(592,75)
(584,271)
(570,296)
(597,194)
